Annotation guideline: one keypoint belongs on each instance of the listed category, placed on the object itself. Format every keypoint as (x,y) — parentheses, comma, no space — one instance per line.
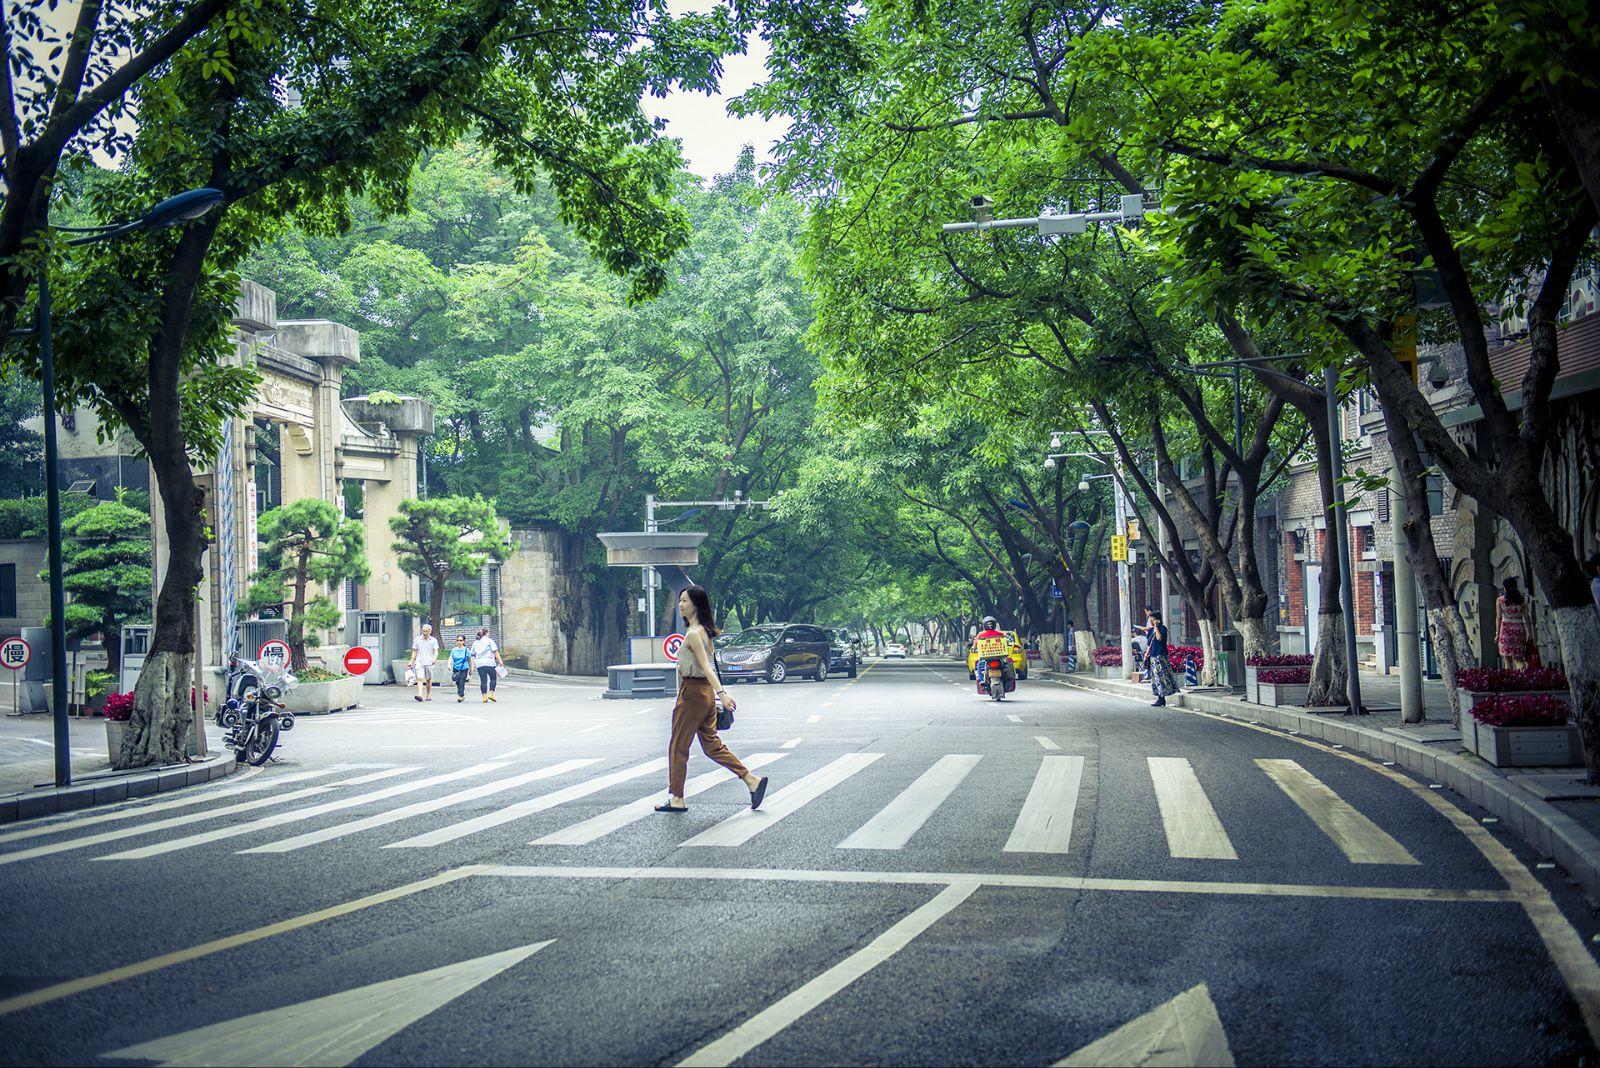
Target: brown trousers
(696,713)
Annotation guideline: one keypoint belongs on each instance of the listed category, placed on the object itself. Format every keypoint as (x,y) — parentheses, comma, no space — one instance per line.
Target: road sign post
(274,653)
(672,646)
(358,660)
(14,656)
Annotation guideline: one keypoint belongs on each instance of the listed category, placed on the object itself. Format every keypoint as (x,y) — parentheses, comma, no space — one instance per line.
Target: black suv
(774,651)
(845,652)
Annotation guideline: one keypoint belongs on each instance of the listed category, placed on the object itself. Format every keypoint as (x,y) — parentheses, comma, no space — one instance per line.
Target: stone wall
(28,557)
(531,580)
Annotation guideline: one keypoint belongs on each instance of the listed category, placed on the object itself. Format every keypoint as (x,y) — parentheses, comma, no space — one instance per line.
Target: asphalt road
(934,879)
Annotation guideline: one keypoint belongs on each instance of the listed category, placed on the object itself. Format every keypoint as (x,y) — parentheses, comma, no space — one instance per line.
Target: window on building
(355,499)
(8,590)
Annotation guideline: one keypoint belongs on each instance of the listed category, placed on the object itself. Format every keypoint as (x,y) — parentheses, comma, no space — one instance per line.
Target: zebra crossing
(243,815)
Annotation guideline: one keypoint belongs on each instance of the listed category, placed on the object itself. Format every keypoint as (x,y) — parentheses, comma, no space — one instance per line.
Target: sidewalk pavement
(1550,808)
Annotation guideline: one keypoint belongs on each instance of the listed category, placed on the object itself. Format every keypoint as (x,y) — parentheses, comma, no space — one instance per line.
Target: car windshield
(754,638)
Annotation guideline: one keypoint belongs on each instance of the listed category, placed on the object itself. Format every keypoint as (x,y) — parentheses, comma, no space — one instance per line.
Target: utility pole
(1124,607)
(650,572)
(1341,515)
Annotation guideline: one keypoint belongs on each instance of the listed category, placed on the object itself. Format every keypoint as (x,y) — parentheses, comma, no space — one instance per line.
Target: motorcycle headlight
(272,693)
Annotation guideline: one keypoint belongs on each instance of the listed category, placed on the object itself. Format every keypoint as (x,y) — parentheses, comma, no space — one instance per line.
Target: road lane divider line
(1358,838)
(597,726)
(792,742)
(528,807)
(57,991)
(419,808)
(1070,883)
(1045,823)
(1046,743)
(903,817)
(278,819)
(739,829)
(1193,830)
(586,831)
(514,752)
(183,821)
(778,1016)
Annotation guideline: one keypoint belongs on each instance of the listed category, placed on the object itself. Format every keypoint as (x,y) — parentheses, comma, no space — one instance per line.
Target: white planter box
(1476,697)
(1252,688)
(441,671)
(1103,672)
(115,728)
(320,698)
(1278,694)
(1523,747)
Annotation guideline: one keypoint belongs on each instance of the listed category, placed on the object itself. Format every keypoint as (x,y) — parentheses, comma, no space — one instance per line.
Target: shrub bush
(1498,680)
(1108,656)
(1179,655)
(1292,676)
(1279,660)
(1525,710)
(119,706)
(316,674)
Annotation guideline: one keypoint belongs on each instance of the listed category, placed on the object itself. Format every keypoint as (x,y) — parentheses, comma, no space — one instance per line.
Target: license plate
(733,667)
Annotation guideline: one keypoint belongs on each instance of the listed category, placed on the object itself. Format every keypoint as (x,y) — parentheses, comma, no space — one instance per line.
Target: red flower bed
(1293,676)
(1526,710)
(119,706)
(1180,655)
(1497,680)
(1107,656)
(1279,660)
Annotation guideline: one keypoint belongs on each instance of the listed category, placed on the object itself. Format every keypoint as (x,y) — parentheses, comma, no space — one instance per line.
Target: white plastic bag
(411,677)
(500,671)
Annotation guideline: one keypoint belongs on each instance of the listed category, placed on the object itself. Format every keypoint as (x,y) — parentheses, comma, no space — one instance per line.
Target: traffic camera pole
(1341,516)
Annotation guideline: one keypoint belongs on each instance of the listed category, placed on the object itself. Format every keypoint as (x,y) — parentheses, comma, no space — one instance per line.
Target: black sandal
(758,793)
(670,807)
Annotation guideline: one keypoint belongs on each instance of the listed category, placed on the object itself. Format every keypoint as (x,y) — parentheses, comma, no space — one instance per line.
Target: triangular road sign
(1184,1033)
(332,1030)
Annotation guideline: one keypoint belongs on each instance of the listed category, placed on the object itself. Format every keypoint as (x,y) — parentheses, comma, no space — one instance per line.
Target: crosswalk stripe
(1361,840)
(296,815)
(740,828)
(1015,719)
(1045,823)
(903,817)
(193,817)
(1193,830)
(588,830)
(1046,743)
(256,782)
(528,807)
(418,808)
(791,743)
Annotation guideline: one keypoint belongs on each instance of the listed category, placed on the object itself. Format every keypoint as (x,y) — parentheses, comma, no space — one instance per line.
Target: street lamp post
(183,207)
(1121,510)
(652,524)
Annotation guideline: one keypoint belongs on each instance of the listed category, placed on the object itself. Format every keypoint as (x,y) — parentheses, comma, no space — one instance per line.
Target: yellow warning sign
(996,646)
(1119,548)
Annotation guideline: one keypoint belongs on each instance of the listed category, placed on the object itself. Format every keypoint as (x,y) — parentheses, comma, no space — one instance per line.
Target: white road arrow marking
(333,1030)
(1184,1033)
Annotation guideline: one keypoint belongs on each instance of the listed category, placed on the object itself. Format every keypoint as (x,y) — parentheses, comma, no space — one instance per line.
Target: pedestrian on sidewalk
(486,655)
(1511,625)
(1162,681)
(424,654)
(699,690)
(460,667)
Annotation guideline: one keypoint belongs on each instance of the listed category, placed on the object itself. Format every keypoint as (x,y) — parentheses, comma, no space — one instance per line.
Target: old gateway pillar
(670,554)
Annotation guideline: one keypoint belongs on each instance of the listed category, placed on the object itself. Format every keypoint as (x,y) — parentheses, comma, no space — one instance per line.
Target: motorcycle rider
(1008,670)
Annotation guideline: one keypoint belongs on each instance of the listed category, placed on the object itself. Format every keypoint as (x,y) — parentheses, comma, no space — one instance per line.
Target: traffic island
(1431,750)
(112,786)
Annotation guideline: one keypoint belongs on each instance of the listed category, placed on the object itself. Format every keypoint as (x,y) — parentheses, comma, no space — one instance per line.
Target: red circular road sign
(15,654)
(358,660)
(274,651)
(671,646)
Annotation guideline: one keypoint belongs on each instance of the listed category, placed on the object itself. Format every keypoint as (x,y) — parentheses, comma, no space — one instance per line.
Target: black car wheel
(821,674)
(778,671)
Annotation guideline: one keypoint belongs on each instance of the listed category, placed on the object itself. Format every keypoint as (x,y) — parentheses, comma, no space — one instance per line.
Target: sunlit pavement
(933,878)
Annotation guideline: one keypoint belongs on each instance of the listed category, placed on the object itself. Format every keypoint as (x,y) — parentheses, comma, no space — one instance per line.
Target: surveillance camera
(1083,487)
(1438,374)
(982,207)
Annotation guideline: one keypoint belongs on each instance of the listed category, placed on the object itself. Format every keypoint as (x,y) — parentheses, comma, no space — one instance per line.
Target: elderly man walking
(424,654)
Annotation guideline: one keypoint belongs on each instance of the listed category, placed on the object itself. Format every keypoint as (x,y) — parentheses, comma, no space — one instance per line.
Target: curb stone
(47,801)
(1546,828)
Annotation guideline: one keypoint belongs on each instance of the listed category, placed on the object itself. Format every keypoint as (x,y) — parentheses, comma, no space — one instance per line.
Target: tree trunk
(1579,629)
(297,621)
(1209,648)
(1253,638)
(158,729)
(436,602)
(1329,678)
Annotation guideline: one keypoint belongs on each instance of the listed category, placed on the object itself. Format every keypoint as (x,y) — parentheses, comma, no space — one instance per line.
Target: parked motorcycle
(257,716)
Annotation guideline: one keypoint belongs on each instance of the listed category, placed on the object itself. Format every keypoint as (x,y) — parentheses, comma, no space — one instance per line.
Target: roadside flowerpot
(1278,694)
(1252,686)
(115,728)
(1475,698)
(321,698)
(1519,730)
(1279,667)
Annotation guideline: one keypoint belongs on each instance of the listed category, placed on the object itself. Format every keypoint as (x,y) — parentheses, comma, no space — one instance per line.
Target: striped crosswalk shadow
(1193,830)
(903,817)
(419,808)
(296,815)
(527,808)
(739,829)
(194,817)
(1045,823)
(589,830)
(1358,838)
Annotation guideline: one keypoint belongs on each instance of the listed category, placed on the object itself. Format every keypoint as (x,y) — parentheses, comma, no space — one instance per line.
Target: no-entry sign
(672,646)
(358,660)
(274,652)
(15,654)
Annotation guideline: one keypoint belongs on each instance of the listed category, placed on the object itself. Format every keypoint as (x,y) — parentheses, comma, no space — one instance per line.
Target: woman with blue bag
(460,666)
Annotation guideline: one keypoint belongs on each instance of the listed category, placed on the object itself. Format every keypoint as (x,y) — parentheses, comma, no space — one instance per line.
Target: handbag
(724,716)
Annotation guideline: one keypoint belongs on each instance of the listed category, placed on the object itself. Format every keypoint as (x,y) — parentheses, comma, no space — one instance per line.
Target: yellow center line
(90,982)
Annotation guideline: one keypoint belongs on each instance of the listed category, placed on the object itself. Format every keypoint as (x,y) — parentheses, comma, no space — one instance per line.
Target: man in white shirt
(424,654)
(486,658)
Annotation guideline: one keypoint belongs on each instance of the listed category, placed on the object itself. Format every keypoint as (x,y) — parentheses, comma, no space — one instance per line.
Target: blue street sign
(1055,591)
